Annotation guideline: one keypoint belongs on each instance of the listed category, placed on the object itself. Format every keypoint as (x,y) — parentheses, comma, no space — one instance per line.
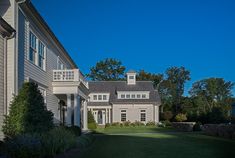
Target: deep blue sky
(148,34)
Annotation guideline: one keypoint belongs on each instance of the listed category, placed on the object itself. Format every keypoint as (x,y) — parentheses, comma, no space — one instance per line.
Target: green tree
(146,76)
(28,113)
(212,92)
(172,88)
(107,70)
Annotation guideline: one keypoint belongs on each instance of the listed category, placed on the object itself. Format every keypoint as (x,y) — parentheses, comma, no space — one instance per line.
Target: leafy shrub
(91,121)
(138,123)
(75,130)
(183,126)
(85,140)
(151,123)
(23,146)
(28,113)
(180,117)
(127,123)
(166,123)
(220,130)
(197,127)
(92,126)
(167,115)
(115,124)
(57,140)
(160,124)
(107,125)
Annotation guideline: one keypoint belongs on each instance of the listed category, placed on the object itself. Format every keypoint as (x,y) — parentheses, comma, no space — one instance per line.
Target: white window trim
(36,57)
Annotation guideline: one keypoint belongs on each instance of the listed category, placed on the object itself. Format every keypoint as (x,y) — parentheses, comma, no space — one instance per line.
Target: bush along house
(30,52)
(121,101)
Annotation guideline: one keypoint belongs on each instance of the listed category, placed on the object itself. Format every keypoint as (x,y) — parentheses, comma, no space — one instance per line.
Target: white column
(106,116)
(85,120)
(109,115)
(77,110)
(156,110)
(69,110)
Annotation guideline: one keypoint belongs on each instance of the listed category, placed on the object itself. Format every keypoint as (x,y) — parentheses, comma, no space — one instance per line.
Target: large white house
(120,101)
(30,52)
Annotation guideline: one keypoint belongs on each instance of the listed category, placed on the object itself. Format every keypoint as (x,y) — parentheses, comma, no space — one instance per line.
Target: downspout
(5,72)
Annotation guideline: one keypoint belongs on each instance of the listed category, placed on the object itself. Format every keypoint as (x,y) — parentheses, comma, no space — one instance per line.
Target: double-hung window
(37,51)
(142,115)
(33,47)
(123,115)
(41,55)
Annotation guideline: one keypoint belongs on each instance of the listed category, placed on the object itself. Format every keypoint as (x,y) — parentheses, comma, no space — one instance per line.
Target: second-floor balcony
(71,75)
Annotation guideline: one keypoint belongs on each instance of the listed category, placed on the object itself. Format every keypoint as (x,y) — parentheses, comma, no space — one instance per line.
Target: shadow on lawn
(160,145)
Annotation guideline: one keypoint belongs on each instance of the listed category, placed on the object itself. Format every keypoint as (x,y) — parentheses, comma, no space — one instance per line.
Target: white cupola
(131,77)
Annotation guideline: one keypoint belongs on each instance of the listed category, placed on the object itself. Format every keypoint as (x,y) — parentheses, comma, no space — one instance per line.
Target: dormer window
(104,97)
(94,97)
(99,97)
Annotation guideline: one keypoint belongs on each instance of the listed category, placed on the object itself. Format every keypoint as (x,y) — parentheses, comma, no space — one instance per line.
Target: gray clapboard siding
(32,71)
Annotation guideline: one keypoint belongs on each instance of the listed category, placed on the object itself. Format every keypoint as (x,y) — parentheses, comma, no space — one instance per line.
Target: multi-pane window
(123,115)
(99,97)
(37,52)
(104,97)
(41,54)
(33,47)
(133,96)
(143,96)
(142,115)
(94,97)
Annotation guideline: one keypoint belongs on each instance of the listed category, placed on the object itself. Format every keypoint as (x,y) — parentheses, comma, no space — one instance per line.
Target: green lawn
(157,145)
(125,130)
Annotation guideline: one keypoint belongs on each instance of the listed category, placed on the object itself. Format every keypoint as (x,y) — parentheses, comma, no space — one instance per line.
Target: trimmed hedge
(220,130)
(183,126)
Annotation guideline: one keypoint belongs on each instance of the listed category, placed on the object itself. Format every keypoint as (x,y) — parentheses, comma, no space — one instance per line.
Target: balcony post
(69,109)
(76,74)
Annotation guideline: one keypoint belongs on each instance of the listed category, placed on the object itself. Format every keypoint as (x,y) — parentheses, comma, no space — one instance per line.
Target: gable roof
(113,87)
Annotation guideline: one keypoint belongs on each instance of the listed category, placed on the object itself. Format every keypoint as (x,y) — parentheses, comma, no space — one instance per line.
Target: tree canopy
(107,70)
(147,76)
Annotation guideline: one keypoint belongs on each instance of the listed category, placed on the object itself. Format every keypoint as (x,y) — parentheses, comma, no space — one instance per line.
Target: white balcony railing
(71,75)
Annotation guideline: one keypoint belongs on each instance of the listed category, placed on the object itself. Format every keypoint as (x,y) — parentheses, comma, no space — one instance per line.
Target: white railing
(71,75)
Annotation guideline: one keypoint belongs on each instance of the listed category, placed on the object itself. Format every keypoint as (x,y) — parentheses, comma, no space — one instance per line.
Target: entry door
(100,117)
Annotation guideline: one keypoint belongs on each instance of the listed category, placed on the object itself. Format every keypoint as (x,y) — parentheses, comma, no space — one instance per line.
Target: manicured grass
(158,145)
(141,129)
